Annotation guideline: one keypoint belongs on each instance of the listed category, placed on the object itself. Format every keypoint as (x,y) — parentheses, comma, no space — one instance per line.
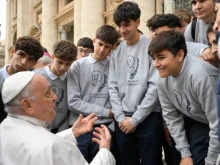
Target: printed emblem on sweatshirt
(182,101)
(59,92)
(133,65)
(99,80)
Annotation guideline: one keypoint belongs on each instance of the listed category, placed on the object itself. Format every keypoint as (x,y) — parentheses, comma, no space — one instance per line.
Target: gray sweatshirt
(195,49)
(132,83)
(192,94)
(88,89)
(200,32)
(59,87)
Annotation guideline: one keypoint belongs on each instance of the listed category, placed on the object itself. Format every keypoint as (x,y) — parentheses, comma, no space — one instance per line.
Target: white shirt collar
(29,119)
(4,72)
(92,60)
(53,76)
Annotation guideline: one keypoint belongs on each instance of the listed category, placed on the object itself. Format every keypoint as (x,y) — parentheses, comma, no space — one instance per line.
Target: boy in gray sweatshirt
(87,87)
(204,11)
(64,53)
(133,94)
(187,92)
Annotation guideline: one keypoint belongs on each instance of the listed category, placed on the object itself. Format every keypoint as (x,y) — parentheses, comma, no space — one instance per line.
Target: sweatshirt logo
(133,65)
(99,79)
(59,92)
(182,101)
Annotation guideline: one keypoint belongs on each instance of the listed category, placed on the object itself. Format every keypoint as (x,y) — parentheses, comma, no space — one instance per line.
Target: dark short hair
(85,42)
(65,50)
(161,20)
(170,40)
(107,34)
(30,45)
(126,11)
(149,21)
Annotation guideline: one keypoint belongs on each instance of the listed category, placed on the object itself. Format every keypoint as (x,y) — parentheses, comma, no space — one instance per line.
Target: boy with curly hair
(24,55)
(64,53)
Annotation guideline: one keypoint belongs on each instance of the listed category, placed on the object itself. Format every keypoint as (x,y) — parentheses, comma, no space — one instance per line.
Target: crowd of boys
(107,103)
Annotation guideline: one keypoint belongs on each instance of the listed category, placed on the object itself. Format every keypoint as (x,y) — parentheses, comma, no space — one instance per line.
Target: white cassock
(25,141)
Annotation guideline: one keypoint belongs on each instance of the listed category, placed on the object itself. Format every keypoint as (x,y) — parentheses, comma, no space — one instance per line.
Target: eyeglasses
(81,51)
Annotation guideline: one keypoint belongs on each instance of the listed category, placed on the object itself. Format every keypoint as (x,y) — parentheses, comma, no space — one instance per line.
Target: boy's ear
(12,52)
(181,55)
(94,41)
(138,22)
(27,108)
(52,57)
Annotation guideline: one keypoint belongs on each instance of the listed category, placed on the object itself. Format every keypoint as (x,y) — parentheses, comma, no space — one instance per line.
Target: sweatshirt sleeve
(75,103)
(150,101)
(206,93)
(103,157)
(188,33)
(174,121)
(116,102)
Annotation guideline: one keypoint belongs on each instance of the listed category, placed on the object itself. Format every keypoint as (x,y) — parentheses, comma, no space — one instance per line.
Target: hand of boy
(126,126)
(186,161)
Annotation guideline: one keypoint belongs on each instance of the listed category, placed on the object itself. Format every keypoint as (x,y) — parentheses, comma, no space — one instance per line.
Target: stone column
(77,20)
(8,29)
(147,11)
(91,17)
(159,6)
(64,30)
(23,17)
(169,6)
(49,26)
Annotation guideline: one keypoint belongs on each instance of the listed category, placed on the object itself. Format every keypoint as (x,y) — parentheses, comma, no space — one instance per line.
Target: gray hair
(14,106)
(45,59)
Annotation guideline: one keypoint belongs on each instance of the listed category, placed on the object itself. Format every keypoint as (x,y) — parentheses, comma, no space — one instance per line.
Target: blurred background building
(52,20)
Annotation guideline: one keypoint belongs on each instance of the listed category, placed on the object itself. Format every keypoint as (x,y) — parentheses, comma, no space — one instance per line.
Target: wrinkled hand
(167,136)
(102,137)
(211,58)
(186,161)
(126,126)
(83,125)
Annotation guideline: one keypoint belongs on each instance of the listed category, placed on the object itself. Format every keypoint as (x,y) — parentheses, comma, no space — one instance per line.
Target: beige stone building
(52,20)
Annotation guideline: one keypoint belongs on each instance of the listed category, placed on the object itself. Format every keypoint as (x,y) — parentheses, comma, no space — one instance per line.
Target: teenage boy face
(21,61)
(83,52)
(59,67)
(101,49)
(167,64)
(203,9)
(159,30)
(128,30)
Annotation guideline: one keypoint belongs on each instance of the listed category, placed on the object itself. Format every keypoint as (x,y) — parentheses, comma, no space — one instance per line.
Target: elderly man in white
(30,103)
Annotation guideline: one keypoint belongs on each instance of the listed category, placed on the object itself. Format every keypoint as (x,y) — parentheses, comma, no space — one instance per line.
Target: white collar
(53,76)
(29,119)
(92,60)
(4,72)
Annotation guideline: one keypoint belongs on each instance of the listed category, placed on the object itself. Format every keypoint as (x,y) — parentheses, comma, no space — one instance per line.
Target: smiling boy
(186,88)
